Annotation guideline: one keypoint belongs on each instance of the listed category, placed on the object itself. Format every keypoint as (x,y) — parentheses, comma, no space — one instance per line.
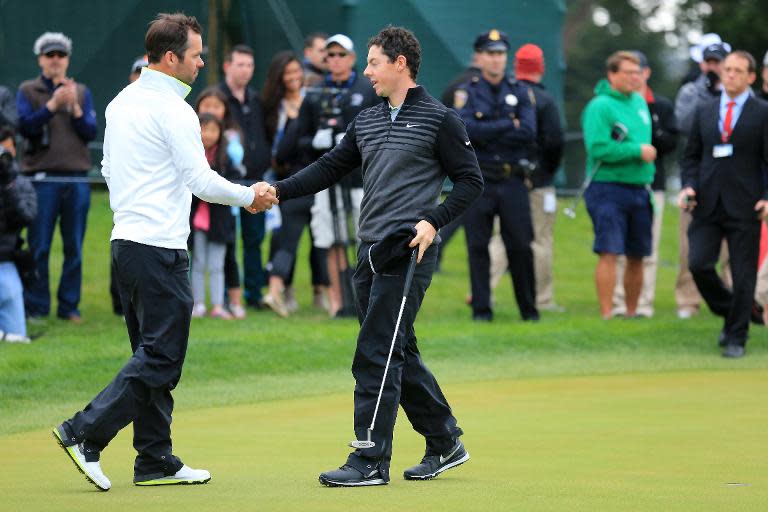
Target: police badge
(460,98)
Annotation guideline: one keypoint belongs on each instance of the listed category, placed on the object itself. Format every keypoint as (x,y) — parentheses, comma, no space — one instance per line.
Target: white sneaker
(276,305)
(14,338)
(185,476)
(91,470)
(198,311)
(289,298)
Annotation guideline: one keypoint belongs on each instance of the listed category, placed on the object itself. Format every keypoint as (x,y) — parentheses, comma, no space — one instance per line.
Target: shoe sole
(363,483)
(154,483)
(73,458)
(430,476)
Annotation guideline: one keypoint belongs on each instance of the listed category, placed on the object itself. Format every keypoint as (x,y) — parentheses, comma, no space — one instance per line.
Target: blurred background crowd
(282,81)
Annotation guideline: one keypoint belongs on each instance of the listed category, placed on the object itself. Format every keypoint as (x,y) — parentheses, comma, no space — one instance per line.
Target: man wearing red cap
(547,153)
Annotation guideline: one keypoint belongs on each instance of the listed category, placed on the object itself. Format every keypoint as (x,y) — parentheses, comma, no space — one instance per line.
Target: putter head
(361,445)
(569,213)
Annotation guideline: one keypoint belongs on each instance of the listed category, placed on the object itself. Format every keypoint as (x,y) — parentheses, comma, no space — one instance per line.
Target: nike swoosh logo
(466,143)
(409,125)
(444,460)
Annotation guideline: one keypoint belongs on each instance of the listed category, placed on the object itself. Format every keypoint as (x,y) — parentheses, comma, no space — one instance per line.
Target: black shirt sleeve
(665,131)
(20,204)
(692,156)
(458,160)
(551,140)
(326,171)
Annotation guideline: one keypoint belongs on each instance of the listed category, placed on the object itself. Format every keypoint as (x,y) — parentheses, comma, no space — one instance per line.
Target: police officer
(501,123)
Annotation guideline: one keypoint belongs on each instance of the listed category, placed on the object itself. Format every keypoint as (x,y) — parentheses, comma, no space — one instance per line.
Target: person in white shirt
(153,162)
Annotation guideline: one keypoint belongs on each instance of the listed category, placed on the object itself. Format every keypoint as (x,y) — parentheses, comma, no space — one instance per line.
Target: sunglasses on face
(331,55)
(56,53)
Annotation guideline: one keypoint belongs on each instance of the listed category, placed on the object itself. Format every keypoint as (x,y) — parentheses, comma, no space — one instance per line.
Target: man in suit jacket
(724,186)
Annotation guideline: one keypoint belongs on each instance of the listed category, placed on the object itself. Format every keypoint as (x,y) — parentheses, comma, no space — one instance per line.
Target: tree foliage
(587,44)
(742,23)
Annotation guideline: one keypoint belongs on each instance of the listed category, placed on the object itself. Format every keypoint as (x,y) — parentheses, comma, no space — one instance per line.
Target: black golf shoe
(433,465)
(357,472)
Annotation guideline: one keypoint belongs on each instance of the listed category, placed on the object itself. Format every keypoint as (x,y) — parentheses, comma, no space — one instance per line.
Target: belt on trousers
(495,171)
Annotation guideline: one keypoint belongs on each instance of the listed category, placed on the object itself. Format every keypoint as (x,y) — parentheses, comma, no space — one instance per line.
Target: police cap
(492,41)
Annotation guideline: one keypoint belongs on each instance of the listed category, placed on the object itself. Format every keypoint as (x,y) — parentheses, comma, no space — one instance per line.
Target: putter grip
(409,274)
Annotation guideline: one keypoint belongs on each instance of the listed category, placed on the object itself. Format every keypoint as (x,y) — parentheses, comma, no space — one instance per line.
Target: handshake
(264,196)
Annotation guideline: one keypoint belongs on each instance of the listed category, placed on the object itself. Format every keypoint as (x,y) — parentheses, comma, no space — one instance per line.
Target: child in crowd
(213,226)
(213,101)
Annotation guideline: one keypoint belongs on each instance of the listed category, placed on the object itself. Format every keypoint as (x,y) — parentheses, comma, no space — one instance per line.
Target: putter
(618,133)
(408,278)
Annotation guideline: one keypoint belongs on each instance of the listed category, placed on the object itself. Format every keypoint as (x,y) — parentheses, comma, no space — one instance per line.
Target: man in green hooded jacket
(617,136)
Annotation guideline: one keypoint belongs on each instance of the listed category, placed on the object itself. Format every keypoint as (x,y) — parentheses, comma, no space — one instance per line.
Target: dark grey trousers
(157,301)
(409,382)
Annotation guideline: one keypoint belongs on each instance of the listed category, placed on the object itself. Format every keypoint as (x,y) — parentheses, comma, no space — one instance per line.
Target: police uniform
(501,124)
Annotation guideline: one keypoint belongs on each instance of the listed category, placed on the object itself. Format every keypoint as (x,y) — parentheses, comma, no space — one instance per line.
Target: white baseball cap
(341,40)
(697,51)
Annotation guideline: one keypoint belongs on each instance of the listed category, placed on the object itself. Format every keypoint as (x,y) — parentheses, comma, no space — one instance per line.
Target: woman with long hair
(282,96)
(213,101)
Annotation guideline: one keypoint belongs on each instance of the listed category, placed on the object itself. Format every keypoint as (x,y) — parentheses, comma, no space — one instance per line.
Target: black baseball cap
(642,58)
(492,41)
(715,51)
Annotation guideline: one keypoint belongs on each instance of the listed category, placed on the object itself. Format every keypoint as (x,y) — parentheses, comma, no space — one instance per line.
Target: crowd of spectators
(301,112)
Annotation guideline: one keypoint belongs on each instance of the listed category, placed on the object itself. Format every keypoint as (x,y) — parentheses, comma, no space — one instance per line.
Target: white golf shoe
(79,454)
(185,476)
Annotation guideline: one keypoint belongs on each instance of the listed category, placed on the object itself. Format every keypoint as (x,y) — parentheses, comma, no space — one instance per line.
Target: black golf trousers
(509,200)
(409,383)
(157,301)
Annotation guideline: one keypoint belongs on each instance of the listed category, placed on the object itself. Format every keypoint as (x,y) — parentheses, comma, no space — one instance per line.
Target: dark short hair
(395,41)
(238,48)
(216,92)
(613,63)
(751,62)
(309,39)
(7,132)
(169,32)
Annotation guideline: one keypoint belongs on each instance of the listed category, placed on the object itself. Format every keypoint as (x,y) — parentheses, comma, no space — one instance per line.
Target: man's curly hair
(395,41)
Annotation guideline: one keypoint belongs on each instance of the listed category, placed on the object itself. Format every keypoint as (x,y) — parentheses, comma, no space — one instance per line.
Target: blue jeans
(11,300)
(68,204)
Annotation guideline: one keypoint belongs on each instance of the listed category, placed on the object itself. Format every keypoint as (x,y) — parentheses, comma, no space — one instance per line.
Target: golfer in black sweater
(406,145)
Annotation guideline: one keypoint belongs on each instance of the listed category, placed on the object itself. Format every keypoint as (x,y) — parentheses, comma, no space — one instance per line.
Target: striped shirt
(404,163)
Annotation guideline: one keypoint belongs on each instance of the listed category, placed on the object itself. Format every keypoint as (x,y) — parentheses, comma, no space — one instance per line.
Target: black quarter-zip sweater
(404,163)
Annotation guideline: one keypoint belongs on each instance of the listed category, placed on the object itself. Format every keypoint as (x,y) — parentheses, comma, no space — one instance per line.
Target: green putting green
(650,442)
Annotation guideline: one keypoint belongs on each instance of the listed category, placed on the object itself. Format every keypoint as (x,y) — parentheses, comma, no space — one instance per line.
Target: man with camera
(18,207)
(56,117)
(501,124)
(325,114)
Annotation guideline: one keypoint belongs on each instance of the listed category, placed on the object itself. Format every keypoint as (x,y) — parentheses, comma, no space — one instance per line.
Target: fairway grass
(571,413)
(653,442)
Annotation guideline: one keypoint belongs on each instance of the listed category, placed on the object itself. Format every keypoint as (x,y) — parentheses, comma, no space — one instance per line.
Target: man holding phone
(724,188)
